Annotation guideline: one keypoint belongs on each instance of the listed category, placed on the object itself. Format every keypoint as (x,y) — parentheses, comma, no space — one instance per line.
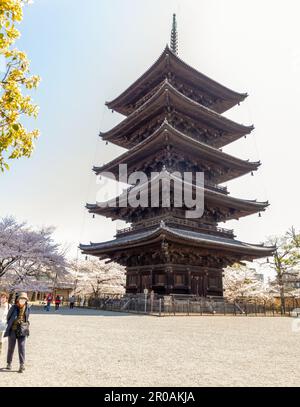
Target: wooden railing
(177,221)
(216,187)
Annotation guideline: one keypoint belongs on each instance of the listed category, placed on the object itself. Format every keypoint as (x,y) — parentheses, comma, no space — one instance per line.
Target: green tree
(285,261)
(15,140)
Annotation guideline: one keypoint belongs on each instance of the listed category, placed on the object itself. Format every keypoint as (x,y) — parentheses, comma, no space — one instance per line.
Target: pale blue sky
(88,55)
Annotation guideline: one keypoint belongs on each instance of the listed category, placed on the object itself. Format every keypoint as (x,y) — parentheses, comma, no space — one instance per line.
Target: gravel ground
(94,348)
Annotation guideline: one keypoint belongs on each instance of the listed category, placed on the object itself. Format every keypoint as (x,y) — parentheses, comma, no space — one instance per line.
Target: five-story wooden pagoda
(174,123)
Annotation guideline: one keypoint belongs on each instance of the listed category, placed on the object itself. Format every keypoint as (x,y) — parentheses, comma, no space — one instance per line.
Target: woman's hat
(23,295)
(4,294)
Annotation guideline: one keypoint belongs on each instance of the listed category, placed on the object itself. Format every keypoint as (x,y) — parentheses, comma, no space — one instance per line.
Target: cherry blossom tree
(242,283)
(94,277)
(27,254)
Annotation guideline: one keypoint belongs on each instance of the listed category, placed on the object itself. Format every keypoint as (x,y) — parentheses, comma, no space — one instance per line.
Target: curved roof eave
(212,151)
(252,206)
(192,237)
(214,87)
(215,119)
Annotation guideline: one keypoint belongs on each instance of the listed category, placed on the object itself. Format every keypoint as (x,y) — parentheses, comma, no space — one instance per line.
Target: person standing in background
(49,300)
(4,308)
(72,302)
(57,302)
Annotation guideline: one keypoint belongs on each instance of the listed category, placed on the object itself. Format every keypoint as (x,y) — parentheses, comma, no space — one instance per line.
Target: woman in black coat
(17,330)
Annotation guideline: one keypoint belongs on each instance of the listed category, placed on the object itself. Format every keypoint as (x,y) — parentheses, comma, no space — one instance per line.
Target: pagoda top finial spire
(174,36)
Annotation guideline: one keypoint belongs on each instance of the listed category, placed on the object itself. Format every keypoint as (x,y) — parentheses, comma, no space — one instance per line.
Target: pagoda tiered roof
(166,135)
(190,238)
(242,207)
(166,98)
(217,96)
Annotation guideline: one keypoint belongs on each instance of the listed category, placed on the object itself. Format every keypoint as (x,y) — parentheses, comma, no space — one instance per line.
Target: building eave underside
(229,97)
(189,238)
(167,95)
(219,199)
(169,134)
